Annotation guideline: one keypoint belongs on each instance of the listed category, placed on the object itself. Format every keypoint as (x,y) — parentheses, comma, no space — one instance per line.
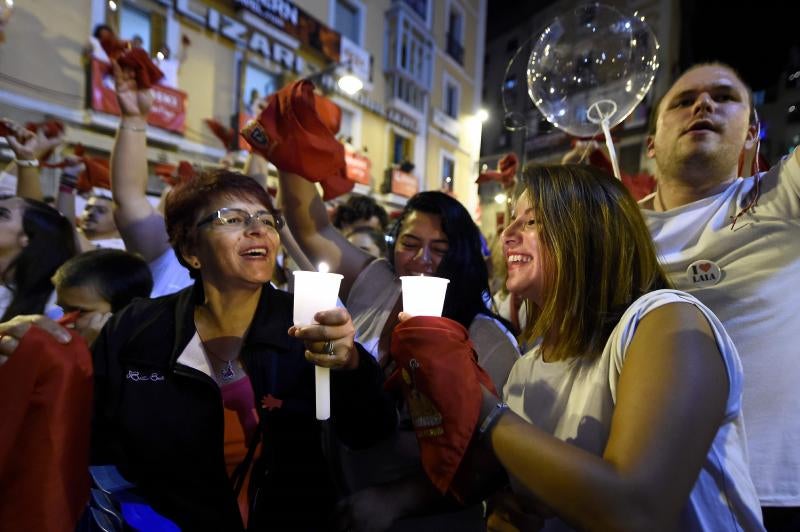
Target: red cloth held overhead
(174,175)
(296,132)
(45,414)
(506,171)
(131,58)
(96,174)
(441,380)
(225,134)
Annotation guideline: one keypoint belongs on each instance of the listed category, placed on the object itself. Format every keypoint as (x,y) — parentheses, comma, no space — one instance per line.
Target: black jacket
(161,422)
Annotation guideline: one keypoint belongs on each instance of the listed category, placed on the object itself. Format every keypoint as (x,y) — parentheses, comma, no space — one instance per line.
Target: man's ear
(651,146)
(23,240)
(753,132)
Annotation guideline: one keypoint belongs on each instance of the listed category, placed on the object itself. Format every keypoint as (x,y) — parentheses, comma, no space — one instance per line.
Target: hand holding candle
(314,292)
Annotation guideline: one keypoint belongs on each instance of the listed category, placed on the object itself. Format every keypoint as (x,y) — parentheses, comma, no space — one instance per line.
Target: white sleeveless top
(574,401)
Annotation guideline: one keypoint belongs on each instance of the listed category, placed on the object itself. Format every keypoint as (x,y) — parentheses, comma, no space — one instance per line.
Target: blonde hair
(597,253)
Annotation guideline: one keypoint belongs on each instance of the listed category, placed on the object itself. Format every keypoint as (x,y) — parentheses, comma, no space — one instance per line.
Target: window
(448,173)
(258,84)
(451,98)
(347,123)
(134,25)
(401,148)
(408,58)
(420,7)
(348,20)
(455,33)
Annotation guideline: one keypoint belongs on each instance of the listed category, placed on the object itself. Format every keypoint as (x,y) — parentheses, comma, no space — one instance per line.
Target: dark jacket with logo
(162,424)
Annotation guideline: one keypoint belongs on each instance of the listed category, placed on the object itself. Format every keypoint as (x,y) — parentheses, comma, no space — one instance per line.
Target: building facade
(413,127)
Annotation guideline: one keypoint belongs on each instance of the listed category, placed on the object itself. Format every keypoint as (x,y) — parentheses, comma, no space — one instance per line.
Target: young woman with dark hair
(434,236)
(462,263)
(35,239)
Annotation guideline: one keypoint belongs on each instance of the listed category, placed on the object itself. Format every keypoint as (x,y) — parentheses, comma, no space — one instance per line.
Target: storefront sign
(240,33)
(169,105)
(401,119)
(358,167)
(293,21)
(404,184)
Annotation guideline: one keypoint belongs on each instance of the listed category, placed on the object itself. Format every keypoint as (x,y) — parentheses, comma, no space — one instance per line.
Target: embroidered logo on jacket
(141,376)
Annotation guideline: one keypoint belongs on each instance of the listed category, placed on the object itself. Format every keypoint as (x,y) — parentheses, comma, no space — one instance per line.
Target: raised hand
(26,144)
(132,101)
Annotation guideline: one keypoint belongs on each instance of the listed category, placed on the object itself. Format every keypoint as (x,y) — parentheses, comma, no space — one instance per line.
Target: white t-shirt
(169,276)
(574,401)
(757,270)
(108,243)
(8,184)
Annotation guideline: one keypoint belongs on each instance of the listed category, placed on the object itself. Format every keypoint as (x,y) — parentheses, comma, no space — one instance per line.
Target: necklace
(227,372)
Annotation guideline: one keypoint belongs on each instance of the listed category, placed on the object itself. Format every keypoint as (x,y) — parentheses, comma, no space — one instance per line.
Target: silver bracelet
(491,420)
(27,163)
(132,128)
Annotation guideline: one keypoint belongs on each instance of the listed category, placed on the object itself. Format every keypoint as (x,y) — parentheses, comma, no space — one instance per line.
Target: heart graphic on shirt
(705,266)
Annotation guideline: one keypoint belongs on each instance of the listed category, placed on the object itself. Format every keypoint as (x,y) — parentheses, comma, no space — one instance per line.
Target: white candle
(315,291)
(423,295)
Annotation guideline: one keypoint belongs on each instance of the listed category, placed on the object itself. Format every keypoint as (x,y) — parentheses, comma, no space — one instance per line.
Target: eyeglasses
(238,219)
(5,213)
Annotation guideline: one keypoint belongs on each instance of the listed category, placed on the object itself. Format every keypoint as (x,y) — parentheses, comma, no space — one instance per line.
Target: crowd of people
(654,388)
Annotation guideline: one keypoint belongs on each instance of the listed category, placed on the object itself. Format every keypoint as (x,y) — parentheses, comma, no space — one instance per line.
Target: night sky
(754,37)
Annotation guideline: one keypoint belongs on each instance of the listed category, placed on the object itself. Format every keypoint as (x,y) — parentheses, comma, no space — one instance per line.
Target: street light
(482,115)
(347,82)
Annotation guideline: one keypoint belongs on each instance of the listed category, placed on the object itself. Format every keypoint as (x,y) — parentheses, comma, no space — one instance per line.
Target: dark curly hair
(357,208)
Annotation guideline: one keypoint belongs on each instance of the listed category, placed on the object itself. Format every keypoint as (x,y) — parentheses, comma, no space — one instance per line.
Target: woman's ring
(328,347)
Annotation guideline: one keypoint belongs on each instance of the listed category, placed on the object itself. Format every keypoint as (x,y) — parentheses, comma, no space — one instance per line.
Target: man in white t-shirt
(745,272)
(96,222)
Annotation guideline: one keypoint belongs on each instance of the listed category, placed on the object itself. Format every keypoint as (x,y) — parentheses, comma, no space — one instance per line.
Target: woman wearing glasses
(179,377)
